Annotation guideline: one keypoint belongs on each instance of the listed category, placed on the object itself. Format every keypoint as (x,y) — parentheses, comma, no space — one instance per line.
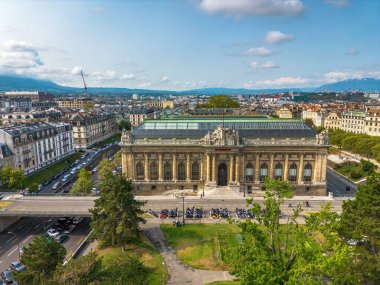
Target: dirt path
(180,273)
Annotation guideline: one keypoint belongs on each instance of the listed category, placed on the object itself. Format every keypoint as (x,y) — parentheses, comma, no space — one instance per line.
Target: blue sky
(186,44)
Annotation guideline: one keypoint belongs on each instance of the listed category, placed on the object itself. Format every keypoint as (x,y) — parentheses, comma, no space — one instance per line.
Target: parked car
(47,182)
(66,177)
(77,220)
(17,266)
(60,238)
(95,169)
(55,177)
(73,170)
(7,277)
(56,185)
(40,187)
(69,229)
(52,232)
(2,196)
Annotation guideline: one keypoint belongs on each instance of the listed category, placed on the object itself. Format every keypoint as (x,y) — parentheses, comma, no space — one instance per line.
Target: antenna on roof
(85,85)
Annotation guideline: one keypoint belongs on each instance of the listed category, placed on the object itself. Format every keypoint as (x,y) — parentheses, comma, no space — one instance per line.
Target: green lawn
(353,170)
(198,244)
(149,255)
(112,139)
(39,177)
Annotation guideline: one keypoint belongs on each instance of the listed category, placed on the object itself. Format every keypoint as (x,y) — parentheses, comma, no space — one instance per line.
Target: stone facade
(240,158)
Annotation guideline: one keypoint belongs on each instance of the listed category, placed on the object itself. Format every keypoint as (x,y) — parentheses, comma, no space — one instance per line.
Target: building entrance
(222,174)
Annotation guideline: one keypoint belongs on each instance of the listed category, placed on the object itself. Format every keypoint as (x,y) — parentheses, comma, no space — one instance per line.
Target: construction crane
(85,85)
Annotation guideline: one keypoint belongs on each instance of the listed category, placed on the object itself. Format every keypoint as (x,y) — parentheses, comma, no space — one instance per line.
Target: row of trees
(220,102)
(328,249)
(362,144)
(11,178)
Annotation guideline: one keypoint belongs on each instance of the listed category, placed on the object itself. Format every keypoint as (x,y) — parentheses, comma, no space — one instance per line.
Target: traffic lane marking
(12,252)
(27,239)
(79,240)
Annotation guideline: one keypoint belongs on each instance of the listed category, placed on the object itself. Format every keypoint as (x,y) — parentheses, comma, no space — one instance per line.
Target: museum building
(237,153)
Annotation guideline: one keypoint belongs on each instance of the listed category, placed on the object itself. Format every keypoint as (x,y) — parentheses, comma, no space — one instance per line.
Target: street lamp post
(18,244)
(183,207)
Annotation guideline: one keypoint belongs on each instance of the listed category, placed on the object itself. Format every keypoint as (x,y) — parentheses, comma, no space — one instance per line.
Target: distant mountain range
(17,83)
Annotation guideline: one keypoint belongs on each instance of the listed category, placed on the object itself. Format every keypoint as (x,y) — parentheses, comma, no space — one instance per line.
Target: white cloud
(164,79)
(76,70)
(145,84)
(352,51)
(264,65)
(283,81)
(275,37)
(335,76)
(338,3)
(100,77)
(15,55)
(253,7)
(260,51)
(130,76)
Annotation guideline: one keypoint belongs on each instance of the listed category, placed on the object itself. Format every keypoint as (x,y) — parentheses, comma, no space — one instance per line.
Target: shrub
(355,175)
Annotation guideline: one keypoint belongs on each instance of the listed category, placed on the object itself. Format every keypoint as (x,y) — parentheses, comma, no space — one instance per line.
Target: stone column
(286,167)
(146,168)
(242,168)
(174,167)
(201,168)
(231,178)
(213,168)
(257,169)
(324,167)
(208,162)
(132,167)
(316,171)
(237,168)
(124,164)
(271,166)
(188,168)
(300,169)
(160,167)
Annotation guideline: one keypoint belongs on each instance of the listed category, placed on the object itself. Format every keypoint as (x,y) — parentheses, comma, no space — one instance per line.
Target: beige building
(353,121)
(138,115)
(91,127)
(316,114)
(288,112)
(76,103)
(333,121)
(372,122)
(7,158)
(199,153)
(34,96)
(37,145)
(161,104)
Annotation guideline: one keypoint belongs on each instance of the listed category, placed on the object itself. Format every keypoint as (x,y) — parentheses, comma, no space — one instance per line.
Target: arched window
(263,171)
(181,175)
(153,171)
(249,172)
(278,171)
(293,172)
(195,171)
(167,171)
(140,171)
(307,172)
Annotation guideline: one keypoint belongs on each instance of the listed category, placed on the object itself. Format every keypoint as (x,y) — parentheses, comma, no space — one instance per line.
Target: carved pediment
(222,137)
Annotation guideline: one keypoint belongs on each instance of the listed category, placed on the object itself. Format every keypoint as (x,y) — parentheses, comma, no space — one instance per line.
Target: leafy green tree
(221,102)
(33,188)
(79,271)
(360,224)
(13,179)
(116,216)
(309,122)
(273,254)
(124,269)
(41,258)
(124,124)
(84,183)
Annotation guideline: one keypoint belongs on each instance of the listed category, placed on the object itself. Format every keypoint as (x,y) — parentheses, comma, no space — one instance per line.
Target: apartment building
(34,96)
(138,115)
(288,112)
(353,121)
(316,114)
(161,104)
(12,104)
(37,145)
(7,158)
(372,122)
(17,118)
(76,103)
(91,127)
(333,121)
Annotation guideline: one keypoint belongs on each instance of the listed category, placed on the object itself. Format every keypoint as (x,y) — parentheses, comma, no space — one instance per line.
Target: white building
(38,145)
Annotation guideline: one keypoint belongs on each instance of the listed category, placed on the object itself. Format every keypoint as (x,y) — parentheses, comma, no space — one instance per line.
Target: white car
(77,220)
(52,233)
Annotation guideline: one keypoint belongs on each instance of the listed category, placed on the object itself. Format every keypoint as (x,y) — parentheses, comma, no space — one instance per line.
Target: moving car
(52,232)
(77,220)
(56,185)
(17,266)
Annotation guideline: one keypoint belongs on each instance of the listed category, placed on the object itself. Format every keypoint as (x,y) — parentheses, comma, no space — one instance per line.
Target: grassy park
(354,170)
(198,244)
(40,176)
(150,257)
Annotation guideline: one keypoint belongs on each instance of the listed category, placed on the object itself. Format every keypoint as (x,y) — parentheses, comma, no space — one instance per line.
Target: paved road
(337,184)
(25,230)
